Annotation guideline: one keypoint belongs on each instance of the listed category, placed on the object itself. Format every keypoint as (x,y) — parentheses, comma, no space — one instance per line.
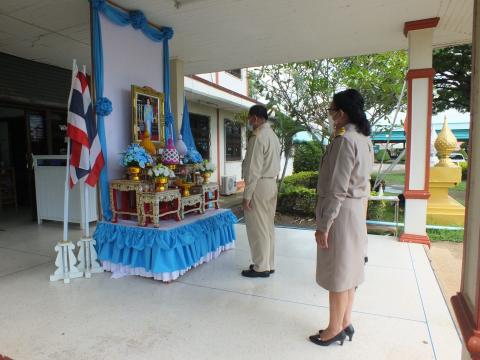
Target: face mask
(331,124)
(249,126)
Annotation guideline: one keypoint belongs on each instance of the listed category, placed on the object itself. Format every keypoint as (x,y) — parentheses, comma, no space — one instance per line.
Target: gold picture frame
(148,114)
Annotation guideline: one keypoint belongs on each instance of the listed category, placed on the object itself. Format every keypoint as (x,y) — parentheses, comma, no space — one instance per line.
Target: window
(200,125)
(235,72)
(233,141)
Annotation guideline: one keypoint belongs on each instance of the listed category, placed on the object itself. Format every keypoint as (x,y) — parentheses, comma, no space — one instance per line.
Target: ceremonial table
(127,207)
(206,190)
(167,252)
(149,206)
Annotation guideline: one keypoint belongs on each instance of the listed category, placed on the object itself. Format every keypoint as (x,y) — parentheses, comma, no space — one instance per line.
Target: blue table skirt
(171,249)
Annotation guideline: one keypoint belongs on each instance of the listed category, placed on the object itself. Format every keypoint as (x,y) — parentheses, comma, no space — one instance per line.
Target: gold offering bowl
(134,172)
(160,184)
(186,189)
(206,177)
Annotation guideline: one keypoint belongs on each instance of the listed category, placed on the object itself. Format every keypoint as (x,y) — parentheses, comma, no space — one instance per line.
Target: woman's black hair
(352,103)
(258,110)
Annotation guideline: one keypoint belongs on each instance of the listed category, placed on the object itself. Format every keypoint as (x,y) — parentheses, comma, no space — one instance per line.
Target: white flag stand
(87,255)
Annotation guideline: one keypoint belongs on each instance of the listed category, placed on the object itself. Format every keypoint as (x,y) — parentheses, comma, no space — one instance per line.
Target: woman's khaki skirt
(341,266)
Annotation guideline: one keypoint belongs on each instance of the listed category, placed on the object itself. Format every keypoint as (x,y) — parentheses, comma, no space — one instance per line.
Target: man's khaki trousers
(260,225)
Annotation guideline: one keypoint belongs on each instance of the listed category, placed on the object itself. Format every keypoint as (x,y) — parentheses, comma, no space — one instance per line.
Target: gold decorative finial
(445,144)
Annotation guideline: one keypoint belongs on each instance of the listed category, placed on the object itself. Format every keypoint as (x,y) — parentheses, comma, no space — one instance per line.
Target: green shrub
(307,156)
(464,153)
(380,155)
(307,179)
(464,166)
(297,200)
(373,178)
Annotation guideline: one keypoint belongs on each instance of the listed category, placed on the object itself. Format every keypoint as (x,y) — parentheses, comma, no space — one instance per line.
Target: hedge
(464,166)
(297,200)
(307,156)
(307,179)
(380,155)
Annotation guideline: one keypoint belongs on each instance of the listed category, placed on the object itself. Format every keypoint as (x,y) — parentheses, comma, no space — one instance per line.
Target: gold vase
(134,173)
(186,189)
(206,177)
(160,184)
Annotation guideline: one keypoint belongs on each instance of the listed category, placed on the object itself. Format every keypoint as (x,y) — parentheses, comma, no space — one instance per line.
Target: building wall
(234,83)
(217,144)
(229,81)
(30,82)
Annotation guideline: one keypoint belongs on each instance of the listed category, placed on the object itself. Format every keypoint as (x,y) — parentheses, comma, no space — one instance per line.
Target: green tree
(380,79)
(286,128)
(453,66)
(303,91)
(307,157)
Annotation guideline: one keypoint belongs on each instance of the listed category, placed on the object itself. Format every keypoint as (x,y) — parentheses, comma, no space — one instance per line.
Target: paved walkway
(213,313)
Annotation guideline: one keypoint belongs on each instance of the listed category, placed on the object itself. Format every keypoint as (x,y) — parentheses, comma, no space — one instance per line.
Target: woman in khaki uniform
(341,236)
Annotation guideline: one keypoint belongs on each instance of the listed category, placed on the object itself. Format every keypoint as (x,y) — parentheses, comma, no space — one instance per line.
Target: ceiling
(213,35)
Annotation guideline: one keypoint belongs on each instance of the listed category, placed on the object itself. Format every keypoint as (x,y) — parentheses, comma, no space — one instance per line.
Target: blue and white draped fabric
(137,19)
(192,156)
(167,252)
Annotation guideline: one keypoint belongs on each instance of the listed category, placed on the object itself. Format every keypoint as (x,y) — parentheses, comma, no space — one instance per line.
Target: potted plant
(135,159)
(160,173)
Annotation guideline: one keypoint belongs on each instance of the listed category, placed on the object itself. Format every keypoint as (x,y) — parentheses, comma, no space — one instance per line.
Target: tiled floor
(213,313)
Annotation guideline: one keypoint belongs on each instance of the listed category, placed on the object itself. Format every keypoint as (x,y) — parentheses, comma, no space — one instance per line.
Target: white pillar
(177,92)
(419,118)
(467,301)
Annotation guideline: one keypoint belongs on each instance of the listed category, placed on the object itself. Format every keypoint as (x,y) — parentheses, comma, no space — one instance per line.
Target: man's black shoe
(254,274)
(251,268)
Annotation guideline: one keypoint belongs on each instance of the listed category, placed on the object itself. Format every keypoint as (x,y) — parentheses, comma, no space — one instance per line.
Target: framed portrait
(147,115)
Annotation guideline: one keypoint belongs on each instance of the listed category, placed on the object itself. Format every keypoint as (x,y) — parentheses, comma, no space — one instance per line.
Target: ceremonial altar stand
(206,190)
(125,187)
(149,206)
(167,252)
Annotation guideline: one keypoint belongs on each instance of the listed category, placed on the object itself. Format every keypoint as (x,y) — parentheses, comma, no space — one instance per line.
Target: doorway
(24,132)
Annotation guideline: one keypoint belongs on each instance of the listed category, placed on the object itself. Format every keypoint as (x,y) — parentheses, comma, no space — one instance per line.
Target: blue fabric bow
(103,106)
(138,19)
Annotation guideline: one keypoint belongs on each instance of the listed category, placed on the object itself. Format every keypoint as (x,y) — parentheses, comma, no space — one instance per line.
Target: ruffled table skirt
(168,252)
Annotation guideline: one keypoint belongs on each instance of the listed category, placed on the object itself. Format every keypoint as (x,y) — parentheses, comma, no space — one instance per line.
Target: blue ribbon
(138,21)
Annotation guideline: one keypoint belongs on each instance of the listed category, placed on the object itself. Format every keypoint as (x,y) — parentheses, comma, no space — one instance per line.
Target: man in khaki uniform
(260,169)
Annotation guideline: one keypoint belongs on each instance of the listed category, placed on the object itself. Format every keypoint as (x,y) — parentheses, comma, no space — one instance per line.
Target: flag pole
(66,260)
(86,227)
(66,194)
(87,255)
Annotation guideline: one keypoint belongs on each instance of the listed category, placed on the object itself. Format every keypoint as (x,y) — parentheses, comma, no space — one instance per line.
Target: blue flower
(136,156)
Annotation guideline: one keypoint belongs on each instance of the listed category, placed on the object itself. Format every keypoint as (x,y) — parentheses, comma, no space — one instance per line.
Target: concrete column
(419,118)
(177,91)
(467,301)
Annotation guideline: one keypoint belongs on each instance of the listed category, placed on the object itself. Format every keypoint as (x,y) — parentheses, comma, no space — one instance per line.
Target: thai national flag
(86,159)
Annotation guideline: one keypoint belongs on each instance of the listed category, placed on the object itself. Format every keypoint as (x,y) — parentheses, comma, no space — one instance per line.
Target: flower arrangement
(192,157)
(136,156)
(205,167)
(160,170)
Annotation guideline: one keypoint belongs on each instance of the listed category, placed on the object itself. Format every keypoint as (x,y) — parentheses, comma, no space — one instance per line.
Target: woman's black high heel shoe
(340,337)
(349,331)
